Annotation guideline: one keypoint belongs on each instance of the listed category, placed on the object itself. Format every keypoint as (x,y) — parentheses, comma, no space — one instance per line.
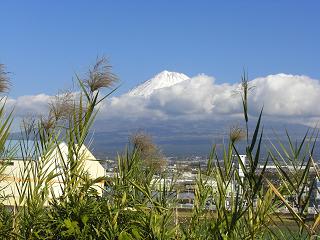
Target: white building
(18,172)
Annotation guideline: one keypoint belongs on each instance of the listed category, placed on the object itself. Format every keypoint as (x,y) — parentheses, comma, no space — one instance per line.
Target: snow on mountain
(161,80)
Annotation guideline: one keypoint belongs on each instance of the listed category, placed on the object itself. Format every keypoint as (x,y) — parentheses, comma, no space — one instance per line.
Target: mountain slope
(161,80)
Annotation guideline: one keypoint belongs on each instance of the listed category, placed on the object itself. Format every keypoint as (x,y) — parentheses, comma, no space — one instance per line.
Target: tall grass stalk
(54,197)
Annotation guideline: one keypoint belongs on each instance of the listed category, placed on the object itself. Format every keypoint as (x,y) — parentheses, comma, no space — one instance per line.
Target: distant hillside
(178,140)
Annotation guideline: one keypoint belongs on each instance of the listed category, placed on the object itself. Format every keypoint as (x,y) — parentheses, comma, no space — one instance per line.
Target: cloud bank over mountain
(173,96)
(292,98)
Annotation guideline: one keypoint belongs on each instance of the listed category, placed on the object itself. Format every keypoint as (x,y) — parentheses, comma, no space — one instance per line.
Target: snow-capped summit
(161,80)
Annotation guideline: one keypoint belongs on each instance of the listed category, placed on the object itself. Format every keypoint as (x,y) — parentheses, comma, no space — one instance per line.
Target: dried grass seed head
(4,79)
(47,123)
(142,142)
(100,76)
(62,106)
(148,150)
(236,134)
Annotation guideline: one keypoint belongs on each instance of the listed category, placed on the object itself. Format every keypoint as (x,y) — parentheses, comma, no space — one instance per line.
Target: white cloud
(196,98)
(290,98)
(287,95)
(30,105)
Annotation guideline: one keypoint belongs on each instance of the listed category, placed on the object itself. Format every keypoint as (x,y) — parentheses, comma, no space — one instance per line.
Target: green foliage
(233,200)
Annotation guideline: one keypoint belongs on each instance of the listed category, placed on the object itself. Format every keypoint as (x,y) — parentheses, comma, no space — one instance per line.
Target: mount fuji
(161,80)
(177,133)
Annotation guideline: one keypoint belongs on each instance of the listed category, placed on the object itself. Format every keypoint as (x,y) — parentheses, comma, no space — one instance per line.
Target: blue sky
(43,43)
